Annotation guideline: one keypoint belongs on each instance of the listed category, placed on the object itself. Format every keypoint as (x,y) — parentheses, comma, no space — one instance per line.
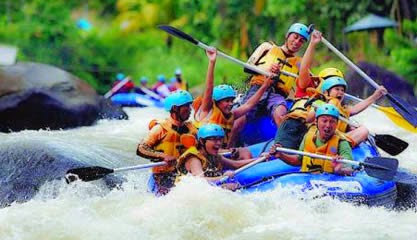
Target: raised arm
(251,103)
(304,76)
(207,102)
(359,107)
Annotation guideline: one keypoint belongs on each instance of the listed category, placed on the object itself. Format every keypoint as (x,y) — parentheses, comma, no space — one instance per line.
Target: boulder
(392,82)
(28,164)
(39,96)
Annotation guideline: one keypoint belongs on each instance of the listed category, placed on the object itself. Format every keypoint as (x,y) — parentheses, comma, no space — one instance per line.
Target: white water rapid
(193,210)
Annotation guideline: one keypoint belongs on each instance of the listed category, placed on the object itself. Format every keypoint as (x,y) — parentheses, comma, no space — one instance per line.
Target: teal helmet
(161,78)
(143,79)
(120,76)
(178,71)
(328,110)
(333,82)
(223,91)
(210,130)
(177,98)
(301,29)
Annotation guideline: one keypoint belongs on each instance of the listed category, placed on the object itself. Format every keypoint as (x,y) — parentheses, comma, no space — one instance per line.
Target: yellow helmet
(330,72)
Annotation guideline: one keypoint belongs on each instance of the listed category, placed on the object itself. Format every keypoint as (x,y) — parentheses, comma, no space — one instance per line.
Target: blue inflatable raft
(360,188)
(135,100)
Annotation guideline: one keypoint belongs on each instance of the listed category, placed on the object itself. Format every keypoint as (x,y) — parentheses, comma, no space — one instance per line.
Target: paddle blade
(397,119)
(87,173)
(390,144)
(381,167)
(178,33)
(404,109)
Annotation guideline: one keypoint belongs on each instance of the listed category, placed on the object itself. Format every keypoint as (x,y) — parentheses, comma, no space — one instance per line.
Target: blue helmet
(327,109)
(301,29)
(120,76)
(223,91)
(143,79)
(210,130)
(333,82)
(173,80)
(177,98)
(161,78)
(178,71)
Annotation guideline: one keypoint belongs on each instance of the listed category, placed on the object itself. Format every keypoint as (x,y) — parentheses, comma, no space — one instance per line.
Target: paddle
(403,108)
(150,93)
(87,174)
(117,87)
(175,32)
(378,167)
(224,179)
(178,33)
(390,113)
(390,144)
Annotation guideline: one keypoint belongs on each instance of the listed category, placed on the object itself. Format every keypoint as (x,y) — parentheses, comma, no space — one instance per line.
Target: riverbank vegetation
(123,36)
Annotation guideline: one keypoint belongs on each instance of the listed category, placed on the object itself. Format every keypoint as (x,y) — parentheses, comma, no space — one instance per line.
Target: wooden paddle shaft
(313,155)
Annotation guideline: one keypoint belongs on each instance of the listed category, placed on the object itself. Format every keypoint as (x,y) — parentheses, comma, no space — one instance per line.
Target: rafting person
(273,58)
(125,88)
(293,126)
(321,139)
(161,86)
(204,159)
(143,81)
(182,84)
(334,88)
(215,106)
(163,141)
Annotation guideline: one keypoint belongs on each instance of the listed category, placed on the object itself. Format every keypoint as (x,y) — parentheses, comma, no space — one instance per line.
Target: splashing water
(194,209)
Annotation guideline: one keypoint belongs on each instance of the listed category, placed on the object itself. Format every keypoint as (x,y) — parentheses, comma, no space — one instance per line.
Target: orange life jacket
(211,168)
(330,148)
(215,116)
(343,111)
(286,84)
(170,144)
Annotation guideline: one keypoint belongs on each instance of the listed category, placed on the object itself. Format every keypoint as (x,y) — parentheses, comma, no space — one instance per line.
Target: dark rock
(28,164)
(39,96)
(392,82)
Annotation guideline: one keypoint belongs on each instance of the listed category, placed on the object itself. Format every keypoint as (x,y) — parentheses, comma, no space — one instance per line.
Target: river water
(193,210)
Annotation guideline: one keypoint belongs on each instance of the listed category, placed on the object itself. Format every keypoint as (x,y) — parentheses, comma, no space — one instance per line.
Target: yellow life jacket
(211,168)
(343,111)
(330,148)
(298,111)
(170,144)
(215,116)
(289,64)
(184,85)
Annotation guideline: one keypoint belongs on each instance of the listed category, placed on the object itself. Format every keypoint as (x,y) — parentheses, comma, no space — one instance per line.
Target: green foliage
(45,31)
(403,51)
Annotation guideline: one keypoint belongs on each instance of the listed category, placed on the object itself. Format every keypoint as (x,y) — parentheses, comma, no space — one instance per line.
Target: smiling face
(337,92)
(327,126)
(213,144)
(294,42)
(225,105)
